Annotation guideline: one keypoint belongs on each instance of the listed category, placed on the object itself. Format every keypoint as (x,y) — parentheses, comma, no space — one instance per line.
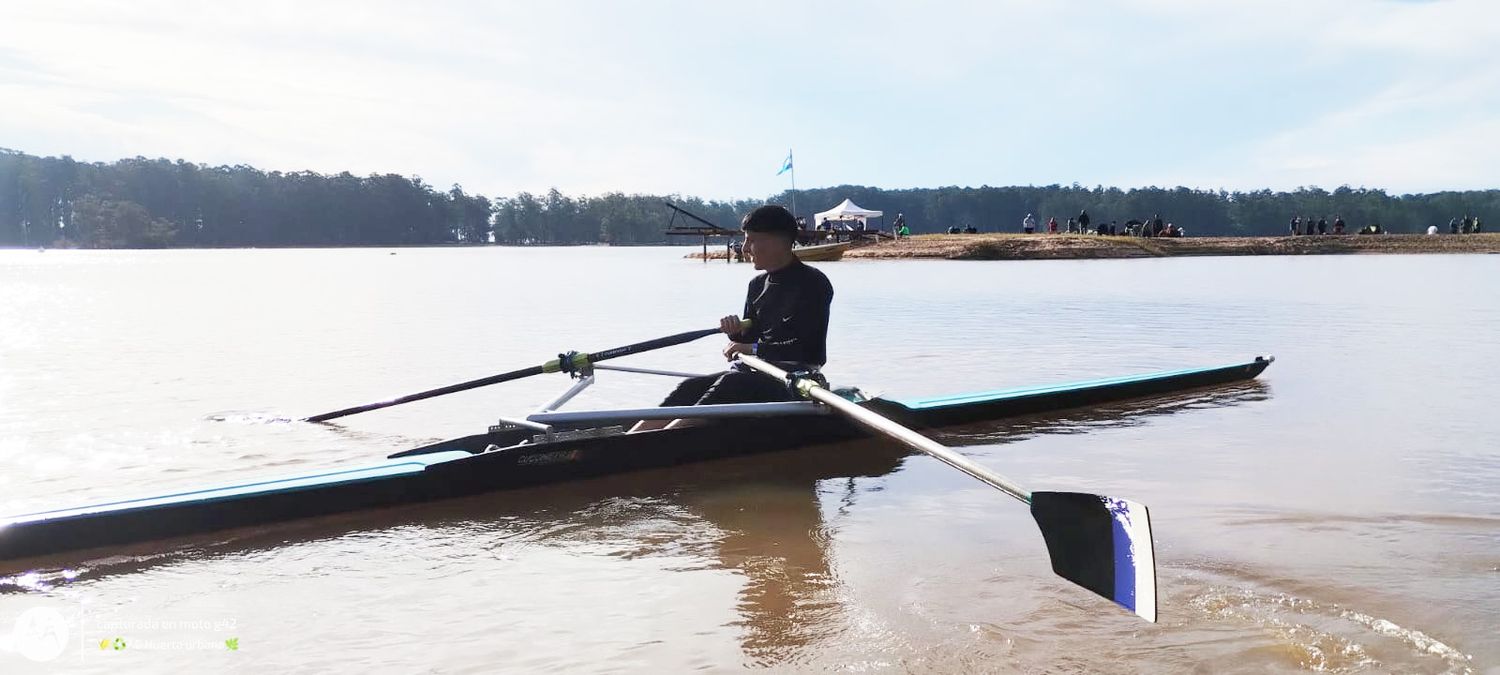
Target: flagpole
(793,162)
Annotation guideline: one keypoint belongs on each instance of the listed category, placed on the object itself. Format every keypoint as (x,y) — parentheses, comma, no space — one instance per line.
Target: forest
(160,203)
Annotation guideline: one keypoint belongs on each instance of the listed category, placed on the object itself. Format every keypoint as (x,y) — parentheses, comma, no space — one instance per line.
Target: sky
(707,98)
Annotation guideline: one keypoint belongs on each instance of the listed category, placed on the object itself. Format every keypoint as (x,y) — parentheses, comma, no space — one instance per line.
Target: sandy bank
(1056,247)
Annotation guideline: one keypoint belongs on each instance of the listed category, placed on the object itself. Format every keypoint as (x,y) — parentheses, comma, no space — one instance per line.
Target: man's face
(767,250)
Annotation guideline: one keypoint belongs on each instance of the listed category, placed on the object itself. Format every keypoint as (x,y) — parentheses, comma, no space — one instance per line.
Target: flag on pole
(787,165)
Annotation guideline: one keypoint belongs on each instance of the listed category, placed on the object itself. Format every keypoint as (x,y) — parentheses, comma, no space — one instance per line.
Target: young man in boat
(787,306)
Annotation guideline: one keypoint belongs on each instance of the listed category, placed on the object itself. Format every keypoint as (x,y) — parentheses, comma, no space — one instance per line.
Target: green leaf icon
(233,644)
(119,644)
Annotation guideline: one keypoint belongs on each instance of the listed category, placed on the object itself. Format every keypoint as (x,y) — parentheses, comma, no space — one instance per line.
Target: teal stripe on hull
(404,466)
(1023,392)
(460,467)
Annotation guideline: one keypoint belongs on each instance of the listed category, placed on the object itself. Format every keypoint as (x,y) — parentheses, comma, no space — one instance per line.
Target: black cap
(770,218)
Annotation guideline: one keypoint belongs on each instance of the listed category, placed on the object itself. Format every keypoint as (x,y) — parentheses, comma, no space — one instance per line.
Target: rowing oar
(574,362)
(1100,543)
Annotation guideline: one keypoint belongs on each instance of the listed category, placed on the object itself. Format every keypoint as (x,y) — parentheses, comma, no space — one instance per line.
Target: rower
(787,307)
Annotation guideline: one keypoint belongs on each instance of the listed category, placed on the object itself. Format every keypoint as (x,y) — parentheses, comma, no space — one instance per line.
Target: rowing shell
(507,458)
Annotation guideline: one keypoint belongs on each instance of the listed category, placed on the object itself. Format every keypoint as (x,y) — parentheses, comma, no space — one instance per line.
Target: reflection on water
(761,517)
(1120,414)
(1337,515)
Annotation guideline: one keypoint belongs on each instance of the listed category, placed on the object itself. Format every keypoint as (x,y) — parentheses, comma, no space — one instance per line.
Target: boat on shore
(553,446)
(822,252)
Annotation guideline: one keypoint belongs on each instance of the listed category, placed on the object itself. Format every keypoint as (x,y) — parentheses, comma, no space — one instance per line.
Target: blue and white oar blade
(1102,544)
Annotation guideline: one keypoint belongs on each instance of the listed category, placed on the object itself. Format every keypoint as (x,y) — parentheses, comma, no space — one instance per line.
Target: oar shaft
(553,366)
(1100,543)
(884,426)
(450,389)
(658,343)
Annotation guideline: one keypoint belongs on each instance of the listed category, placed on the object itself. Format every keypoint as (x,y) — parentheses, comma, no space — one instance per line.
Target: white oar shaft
(881,425)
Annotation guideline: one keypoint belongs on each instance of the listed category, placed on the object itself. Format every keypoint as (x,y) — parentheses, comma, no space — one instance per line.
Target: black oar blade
(1102,544)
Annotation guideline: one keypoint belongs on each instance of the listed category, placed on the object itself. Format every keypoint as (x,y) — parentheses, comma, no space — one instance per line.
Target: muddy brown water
(1337,515)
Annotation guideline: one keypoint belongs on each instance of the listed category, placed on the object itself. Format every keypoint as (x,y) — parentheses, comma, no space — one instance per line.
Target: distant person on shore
(1338,224)
(1468,225)
(1028,225)
(954,230)
(1112,228)
(1453,226)
(1072,225)
(1322,225)
(1477,227)
(903,231)
(1083,221)
(1157,225)
(1052,225)
(1296,226)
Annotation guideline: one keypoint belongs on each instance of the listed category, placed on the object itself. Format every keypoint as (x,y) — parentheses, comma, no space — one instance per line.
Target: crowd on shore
(1300,226)
(1303,226)
(1466,225)
(1082,224)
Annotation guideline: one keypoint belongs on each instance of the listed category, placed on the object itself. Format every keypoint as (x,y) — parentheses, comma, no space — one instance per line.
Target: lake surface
(1341,514)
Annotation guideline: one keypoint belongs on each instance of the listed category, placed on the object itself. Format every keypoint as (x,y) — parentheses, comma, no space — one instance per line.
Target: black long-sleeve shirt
(788,313)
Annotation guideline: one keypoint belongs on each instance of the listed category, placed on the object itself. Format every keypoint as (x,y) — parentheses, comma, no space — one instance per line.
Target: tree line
(145,203)
(57,201)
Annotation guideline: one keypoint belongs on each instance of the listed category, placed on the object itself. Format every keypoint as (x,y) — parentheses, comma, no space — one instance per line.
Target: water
(1340,514)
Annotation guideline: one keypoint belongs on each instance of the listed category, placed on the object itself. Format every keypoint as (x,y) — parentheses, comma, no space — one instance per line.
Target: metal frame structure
(547,417)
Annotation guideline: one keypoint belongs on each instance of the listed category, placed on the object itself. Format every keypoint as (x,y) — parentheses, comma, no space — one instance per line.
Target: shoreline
(996,246)
(1082,247)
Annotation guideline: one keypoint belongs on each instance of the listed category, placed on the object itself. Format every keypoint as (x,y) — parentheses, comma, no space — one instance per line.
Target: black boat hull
(497,461)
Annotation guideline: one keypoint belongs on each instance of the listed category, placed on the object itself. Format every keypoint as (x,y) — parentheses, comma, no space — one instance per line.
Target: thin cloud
(705,98)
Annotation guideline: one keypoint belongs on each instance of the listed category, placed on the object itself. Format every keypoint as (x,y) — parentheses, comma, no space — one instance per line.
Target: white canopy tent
(846,211)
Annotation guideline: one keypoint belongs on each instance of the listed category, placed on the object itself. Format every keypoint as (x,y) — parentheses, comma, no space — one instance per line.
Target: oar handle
(810,389)
(581,360)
